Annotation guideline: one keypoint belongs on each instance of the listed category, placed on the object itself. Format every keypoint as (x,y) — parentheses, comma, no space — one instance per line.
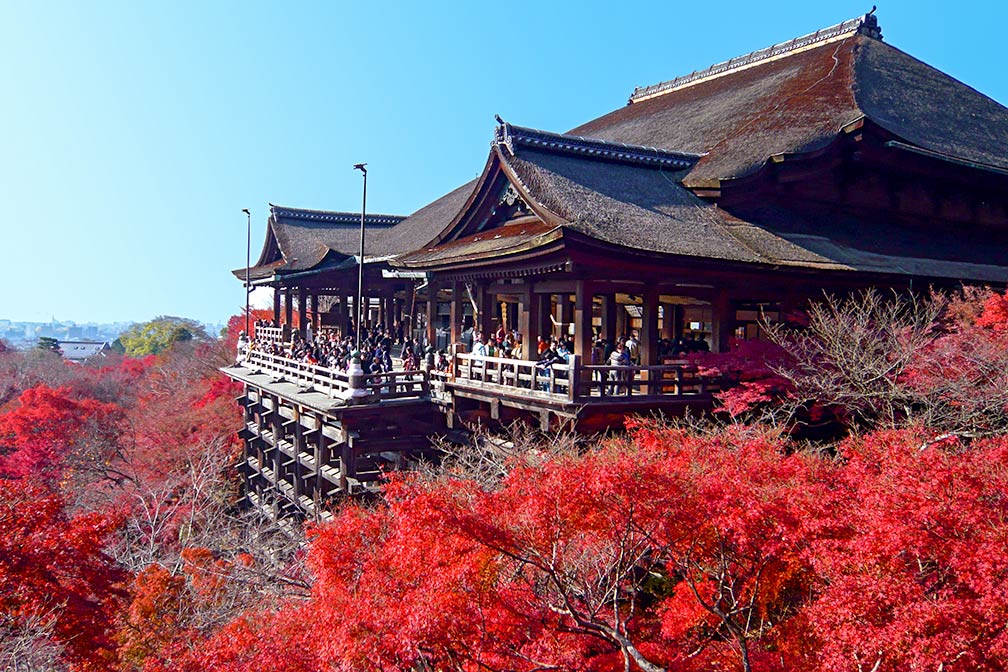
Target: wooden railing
(269,334)
(303,374)
(398,385)
(325,332)
(616,382)
(578,383)
(571,383)
(557,380)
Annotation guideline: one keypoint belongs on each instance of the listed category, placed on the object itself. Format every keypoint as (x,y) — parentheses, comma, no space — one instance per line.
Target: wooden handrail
(269,334)
(304,374)
(566,383)
(557,381)
(576,382)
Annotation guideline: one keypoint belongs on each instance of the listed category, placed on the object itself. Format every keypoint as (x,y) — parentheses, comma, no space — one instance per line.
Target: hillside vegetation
(845,509)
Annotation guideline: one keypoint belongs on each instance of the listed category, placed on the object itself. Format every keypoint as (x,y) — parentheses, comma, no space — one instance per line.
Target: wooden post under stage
(583,296)
(431,313)
(723,321)
(302,313)
(649,328)
(276,306)
(457,291)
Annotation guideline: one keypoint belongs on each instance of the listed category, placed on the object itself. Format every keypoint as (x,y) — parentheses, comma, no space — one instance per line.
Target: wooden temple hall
(830,162)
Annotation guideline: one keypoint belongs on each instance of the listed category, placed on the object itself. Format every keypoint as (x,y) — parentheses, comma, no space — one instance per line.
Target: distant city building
(78,351)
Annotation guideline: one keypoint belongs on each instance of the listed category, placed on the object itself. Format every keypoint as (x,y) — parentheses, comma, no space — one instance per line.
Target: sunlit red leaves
(921,576)
(995,314)
(44,425)
(152,619)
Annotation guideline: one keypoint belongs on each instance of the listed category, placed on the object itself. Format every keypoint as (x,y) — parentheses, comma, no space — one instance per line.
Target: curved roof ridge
(333,216)
(864,25)
(511,136)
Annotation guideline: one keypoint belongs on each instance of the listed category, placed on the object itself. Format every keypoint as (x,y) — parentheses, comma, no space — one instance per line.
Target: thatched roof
(798,96)
(298,239)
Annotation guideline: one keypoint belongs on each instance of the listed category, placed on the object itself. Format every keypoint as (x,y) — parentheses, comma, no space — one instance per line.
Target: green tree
(48,344)
(150,338)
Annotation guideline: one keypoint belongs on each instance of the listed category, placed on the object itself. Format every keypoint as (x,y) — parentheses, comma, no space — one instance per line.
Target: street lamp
(248,263)
(360,265)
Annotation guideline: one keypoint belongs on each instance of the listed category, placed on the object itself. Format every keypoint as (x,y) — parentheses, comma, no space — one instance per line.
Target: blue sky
(134,133)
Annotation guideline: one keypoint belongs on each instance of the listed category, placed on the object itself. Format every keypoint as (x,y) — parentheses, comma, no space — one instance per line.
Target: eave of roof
(513,137)
(334,217)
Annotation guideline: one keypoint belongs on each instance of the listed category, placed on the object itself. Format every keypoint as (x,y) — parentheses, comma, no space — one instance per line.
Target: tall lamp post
(360,266)
(248,263)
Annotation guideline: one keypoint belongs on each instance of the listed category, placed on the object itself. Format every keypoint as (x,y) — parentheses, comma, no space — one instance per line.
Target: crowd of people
(333,349)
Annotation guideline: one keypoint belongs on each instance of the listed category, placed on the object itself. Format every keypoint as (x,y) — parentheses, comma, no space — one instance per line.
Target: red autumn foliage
(917,576)
(749,372)
(44,426)
(237,324)
(735,548)
(53,570)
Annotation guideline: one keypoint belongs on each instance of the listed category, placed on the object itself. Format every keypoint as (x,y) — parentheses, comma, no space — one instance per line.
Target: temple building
(831,162)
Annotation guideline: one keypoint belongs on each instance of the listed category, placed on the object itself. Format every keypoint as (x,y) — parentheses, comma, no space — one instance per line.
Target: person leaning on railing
(556,353)
(243,347)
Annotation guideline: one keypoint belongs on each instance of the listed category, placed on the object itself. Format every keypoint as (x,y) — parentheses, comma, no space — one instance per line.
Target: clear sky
(133,133)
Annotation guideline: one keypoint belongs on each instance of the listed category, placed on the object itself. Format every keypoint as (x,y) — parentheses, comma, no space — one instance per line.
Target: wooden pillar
(341,312)
(609,317)
(722,321)
(288,308)
(565,315)
(431,315)
(649,328)
(677,324)
(297,439)
(322,458)
(668,320)
(386,310)
(528,327)
(276,306)
(457,297)
(315,320)
(622,322)
(278,434)
(583,297)
(486,301)
(302,313)
(543,315)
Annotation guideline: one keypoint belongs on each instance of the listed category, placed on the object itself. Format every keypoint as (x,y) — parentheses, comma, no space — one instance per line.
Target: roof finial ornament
(502,134)
(869,25)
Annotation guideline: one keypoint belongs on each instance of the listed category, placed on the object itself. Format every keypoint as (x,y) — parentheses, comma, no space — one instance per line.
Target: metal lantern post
(248,263)
(360,265)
